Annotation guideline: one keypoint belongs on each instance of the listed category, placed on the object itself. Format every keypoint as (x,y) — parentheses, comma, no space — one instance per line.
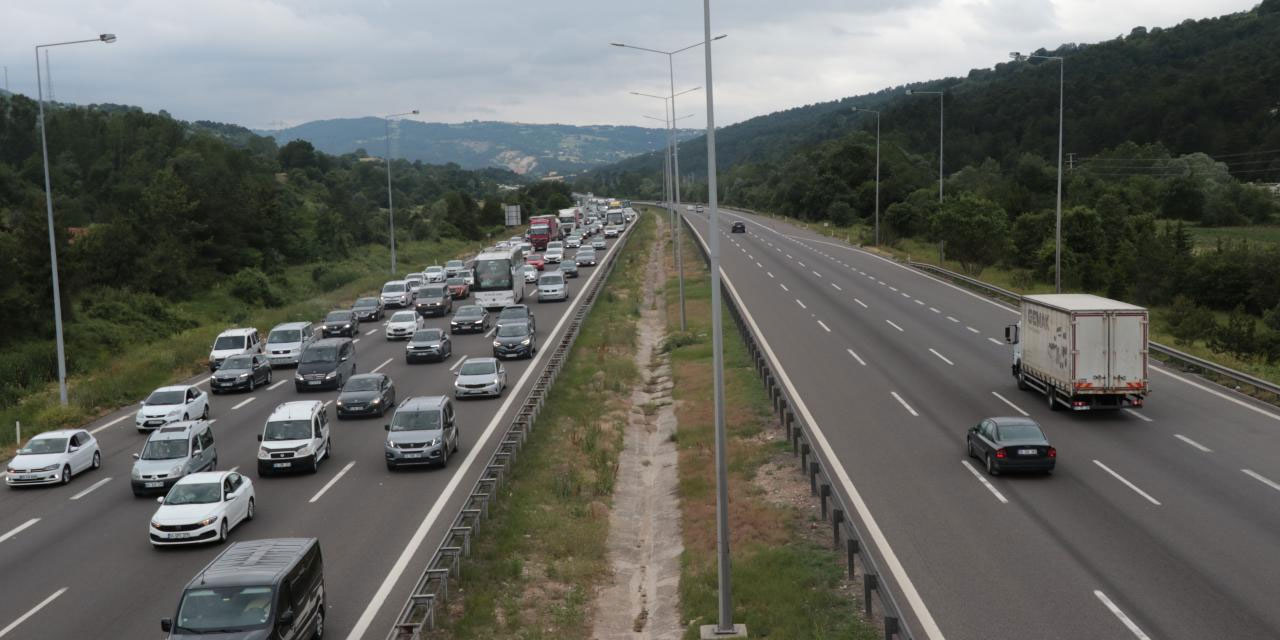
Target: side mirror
(259,437)
(166,624)
(285,618)
(136,456)
(73,449)
(386,427)
(1011,334)
(973,429)
(160,499)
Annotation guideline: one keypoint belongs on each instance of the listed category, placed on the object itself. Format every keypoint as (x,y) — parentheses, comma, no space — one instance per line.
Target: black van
(326,364)
(255,590)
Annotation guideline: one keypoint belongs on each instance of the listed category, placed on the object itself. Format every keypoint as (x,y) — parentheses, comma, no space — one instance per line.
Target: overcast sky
(261,63)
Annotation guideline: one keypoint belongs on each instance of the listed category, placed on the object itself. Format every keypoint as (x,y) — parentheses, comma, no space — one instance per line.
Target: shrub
(252,286)
(328,278)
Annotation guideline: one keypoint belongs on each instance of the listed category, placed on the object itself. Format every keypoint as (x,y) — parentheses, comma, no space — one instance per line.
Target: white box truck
(1082,351)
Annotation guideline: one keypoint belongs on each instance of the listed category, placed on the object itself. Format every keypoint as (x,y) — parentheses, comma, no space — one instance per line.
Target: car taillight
(1000,453)
(1053,453)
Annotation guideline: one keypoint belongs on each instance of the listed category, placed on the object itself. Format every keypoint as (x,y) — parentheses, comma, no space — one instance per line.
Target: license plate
(153,485)
(179,535)
(313,382)
(24,476)
(1028,452)
(282,465)
(413,455)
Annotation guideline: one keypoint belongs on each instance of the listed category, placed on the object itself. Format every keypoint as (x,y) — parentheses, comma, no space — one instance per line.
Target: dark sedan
(569,268)
(1011,444)
(469,318)
(369,309)
(241,372)
(431,345)
(366,394)
(738,227)
(514,340)
(341,322)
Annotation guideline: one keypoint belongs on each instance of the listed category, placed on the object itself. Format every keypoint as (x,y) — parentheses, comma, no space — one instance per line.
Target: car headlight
(263,453)
(174,413)
(298,377)
(497,344)
(331,374)
(208,521)
(135,473)
(434,442)
(242,376)
(304,450)
(340,403)
(155,525)
(346,326)
(525,342)
(376,401)
(48,468)
(177,468)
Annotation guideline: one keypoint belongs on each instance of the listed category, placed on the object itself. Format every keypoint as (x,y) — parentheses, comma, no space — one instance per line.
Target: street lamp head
(1016,55)
(721,36)
(107,37)
(617,44)
(909,92)
(414,112)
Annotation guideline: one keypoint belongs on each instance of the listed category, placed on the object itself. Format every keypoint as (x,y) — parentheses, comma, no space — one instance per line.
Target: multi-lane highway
(75,560)
(1162,522)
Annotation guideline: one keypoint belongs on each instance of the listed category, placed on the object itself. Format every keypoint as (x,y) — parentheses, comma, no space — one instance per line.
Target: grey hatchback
(1010,444)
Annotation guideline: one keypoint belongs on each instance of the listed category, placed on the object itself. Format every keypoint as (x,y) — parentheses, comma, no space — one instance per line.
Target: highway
(1159,523)
(76,561)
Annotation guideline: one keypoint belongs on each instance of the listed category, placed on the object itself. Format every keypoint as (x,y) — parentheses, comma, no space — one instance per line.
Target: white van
(234,342)
(295,437)
(287,341)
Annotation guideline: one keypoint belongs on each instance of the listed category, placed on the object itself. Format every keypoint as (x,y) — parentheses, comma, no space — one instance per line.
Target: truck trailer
(1083,352)
(543,229)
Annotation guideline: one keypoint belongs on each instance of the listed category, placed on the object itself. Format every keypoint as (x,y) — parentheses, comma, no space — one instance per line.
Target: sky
(272,63)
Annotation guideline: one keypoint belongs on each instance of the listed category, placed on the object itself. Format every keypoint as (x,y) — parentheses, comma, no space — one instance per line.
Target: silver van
(171,452)
(287,341)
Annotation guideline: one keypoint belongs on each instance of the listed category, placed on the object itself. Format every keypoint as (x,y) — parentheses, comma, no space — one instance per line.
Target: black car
(241,372)
(431,345)
(1011,444)
(469,318)
(341,322)
(369,309)
(434,300)
(366,394)
(326,364)
(517,313)
(569,268)
(515,340)
(738,227)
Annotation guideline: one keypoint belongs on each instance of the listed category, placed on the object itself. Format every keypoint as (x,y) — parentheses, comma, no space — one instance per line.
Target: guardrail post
(890,627)
(869,583)
(804,456)
(837,516)
(813,481)
(795,443)
(851,546)
(824,492)
(788,423)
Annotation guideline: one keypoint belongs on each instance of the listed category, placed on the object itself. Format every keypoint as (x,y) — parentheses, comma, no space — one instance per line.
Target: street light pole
(391,211)
(877,170)
(1057,254)
(48,200)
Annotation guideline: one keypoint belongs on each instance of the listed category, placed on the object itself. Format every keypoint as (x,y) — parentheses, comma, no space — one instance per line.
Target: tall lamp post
(877,169)
(391,211)
(1057,257)
(48,201)
(941,112)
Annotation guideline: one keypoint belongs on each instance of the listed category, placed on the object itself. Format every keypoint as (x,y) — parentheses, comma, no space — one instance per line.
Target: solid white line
(815,273)
(984,482)
(855,357)
(934,309)
(1137,415)
(201,381)
(1006,401)
(952,318)
(371,331)
(277,384)
(1261,478)
(941,357)
(1224,396)
(893,325)
(864,305)
(784,287)
(244,402)
(836,286)
(18,529)
(336,478)
(1193,443)
(355,341)
(1128,484)
(91,488)
(904,404)
(770,273)
(801,304)
(495,328)
(920,302)
(117,420)
(375,369)
(994,341)
(458,363)
(972,330)
(1133,628)
(824,326)
(34,610)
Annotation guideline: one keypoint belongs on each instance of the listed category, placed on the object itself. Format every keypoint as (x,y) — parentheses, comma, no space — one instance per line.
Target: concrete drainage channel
(432,589)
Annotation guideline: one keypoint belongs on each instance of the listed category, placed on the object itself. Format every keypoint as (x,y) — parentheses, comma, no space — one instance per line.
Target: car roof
(242,331)
(176,430)
(59,433)
(482,360)
(252,562)
(422,403)
(393,282)
(204,476)
(174,387)
(330,342)
(290,325)
(362,376)
(1004,421)
(295,410)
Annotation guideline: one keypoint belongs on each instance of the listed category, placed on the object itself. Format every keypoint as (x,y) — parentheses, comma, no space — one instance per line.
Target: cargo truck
(570,219)
(1081,351)
(543,229)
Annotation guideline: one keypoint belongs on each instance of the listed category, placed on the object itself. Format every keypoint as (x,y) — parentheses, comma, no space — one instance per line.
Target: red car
(458,288)
(535,262)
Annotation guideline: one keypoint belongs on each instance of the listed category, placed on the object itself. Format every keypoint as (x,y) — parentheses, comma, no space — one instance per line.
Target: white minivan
(295,437)
(287,341)
(234,342)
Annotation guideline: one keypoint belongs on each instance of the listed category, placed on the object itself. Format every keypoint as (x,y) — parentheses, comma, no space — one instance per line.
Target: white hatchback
(172,404)
(403,325)
(53,457)
(202,507)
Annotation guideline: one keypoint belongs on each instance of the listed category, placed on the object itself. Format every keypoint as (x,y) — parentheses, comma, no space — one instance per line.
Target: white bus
(497,282)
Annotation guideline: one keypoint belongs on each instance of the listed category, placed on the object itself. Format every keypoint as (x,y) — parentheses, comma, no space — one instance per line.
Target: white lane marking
(934,309)
(784,287)
(34,610)
(986,483)
(327,403)
(751,256)
(815,273)
(904,404)
(244,402)
(1006,401)
(1137,415)
(856,357)
(952,318)
(356,340)
(1192,442)
(336,478)
(972,330)
(371,331)
(836,286)
(824,326)
(234,469)
(277,384)
(893,288)
(1128,484)
(770,273)
(941,357)
(1261,478)
(1133,628)
(928,626)
(458,363)
(113,422)
(801,304)
(882,282)
(1224,396)
(91,488)
(406,555)
(864,305)
(201,381)
(18,529)
(893,325)
(920,302)
(759,265)
(995,342)
(375,369)
(495,328)
(789,257)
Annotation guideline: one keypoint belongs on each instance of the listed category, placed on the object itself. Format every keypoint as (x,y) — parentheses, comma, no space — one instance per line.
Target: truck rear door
(1090,352)
(1128,366)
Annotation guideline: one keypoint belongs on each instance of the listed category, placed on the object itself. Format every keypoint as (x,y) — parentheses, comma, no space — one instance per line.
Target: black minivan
(326,364)
(255,590)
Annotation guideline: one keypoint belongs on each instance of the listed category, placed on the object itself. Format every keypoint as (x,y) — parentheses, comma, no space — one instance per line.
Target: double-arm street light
(1057,257)
(391,212)
(48,201)
(941,112)
(856,109)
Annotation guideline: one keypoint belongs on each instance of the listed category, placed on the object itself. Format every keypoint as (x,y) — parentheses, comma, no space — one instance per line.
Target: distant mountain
(536,149)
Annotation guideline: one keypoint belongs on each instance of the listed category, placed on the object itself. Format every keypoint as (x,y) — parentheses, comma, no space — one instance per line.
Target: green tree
(975,231)
(1239,337)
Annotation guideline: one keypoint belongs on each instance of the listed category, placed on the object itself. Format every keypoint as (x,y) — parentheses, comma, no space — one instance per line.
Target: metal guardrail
(419,610)
(1168,354)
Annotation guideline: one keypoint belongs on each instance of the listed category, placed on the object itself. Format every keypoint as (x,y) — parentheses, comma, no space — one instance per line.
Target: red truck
(543,229)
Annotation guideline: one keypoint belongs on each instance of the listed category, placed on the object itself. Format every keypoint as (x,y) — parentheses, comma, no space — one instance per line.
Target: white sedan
(403,324)
(53,457)
(202,507)
(530,273)
(171,404)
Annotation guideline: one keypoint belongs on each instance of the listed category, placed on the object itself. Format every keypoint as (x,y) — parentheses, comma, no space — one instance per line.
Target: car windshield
(435,269)
(512,312)
(237,362)
(320,354)
(415,420)
(338,316)
(284,336)
(361,384)
(552,279)
(393,287)
(456,282)
(195,493)
(434,292)
(538,229)
(167,449)
(228,342)
(224,609)
(586,254)
(492,275)
(1020,432)
(513,330)
(469,311)
(287,430)
(428,335)
(473,368)
(40,446)
(404,316)
(171,396)
(455,264)
(366,303)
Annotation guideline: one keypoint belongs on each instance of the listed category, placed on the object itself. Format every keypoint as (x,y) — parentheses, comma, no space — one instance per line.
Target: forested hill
(1203,86)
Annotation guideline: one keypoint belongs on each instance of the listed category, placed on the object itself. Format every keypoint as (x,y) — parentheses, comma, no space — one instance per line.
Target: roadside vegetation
(535,564)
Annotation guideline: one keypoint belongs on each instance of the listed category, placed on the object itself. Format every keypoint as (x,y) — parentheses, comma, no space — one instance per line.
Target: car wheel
(444,457)
(991,466)
(268,376)
(315,464)
(1022,382)
(222,532)
(248,514)
(319,621)
(391,467)
(205,415)
(66,474)
(328,448)
(968,447)
(253,384)
(186,417)
(97,459)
